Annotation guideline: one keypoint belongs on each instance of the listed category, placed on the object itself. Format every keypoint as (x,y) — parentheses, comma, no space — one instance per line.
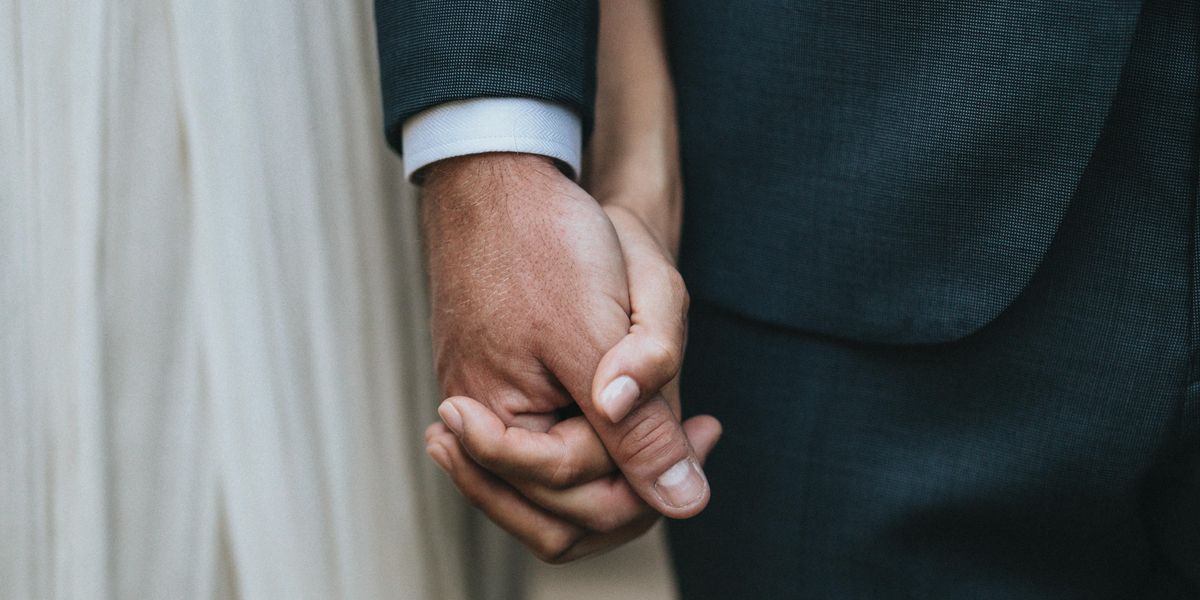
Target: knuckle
(487,455)
(552,545)
(554,559)
(653,441)
(665,354)
(473,496)
(679,290)
(565,473)
(677,285)
(605,521)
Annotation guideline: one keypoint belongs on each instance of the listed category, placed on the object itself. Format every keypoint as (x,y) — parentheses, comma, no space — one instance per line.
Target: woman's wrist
(655,197)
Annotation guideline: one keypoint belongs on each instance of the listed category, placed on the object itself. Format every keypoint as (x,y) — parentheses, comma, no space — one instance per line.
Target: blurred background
(214,356)
(637,570)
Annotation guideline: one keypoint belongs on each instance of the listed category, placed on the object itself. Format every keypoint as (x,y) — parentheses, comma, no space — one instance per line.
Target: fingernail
(618,397)
(451,417)
(682,485)
(439,456)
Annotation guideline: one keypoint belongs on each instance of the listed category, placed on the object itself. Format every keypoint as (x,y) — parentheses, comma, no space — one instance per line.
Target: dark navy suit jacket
(879,171)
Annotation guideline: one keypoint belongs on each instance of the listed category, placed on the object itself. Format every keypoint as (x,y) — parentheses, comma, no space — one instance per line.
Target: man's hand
(530,291)
(557,491)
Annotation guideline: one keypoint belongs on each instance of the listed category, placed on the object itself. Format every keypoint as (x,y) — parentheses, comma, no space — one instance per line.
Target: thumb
(648,445)
(661,461)
(625,403)
(652,449)
(648,357)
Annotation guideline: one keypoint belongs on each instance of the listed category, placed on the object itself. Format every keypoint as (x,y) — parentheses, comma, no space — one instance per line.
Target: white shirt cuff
(481,125)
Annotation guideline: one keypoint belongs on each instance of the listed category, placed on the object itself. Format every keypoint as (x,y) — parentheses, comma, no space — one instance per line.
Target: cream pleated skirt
(214,364)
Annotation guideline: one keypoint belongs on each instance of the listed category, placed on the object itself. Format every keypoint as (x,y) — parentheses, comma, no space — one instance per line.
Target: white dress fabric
(214,368)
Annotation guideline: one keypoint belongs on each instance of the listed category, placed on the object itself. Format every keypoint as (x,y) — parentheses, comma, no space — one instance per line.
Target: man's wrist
(487,165)
(488,178)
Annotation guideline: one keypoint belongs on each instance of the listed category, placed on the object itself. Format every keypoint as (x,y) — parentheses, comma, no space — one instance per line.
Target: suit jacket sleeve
(435,51)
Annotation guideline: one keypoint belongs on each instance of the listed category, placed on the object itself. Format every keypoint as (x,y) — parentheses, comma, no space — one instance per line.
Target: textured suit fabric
(433,51)
(943,257)
(1054,453)
(887,171)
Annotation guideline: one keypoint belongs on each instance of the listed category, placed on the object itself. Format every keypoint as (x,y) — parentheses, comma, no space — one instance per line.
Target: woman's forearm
(633,156)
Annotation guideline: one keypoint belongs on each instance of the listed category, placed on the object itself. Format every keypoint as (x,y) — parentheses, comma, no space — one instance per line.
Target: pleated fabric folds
(214,363)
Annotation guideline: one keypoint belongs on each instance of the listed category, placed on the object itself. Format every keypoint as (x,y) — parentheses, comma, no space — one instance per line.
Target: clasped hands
(545,299)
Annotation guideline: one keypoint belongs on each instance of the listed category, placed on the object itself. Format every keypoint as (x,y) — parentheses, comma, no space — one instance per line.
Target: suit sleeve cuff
(482,125)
